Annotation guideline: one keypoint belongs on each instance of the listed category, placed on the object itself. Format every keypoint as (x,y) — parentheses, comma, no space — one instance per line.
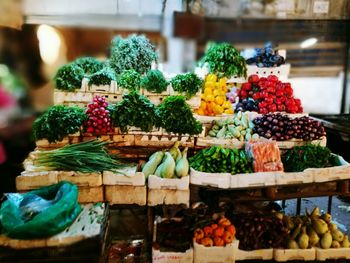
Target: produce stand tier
(270,193)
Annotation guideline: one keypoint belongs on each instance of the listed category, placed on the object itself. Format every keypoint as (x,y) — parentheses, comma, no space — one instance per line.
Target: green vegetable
(69,77)
(90,65)
(152,164)
(221,160)
(129,79)
(102,77)
(154,81)
(176,116)
(182,166)
(300,158)
(134,110)
(58,122)
(134,52)
(168,166)
(187,83)
(86,157)
(225,61)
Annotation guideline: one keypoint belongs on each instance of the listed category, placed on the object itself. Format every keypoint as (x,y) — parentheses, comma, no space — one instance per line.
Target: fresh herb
(58,122)
(225,61)
(129,79)
(86,157)
(90,65)
(134,110)
(102,77)
(69,77)
(134,52)
(187,83)
(221,160)
(154,81)
(300,158)
(176,116)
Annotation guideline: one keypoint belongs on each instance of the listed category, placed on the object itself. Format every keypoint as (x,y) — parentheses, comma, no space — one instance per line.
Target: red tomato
(256,96)
(281,107)
(253,78)
(272,78)
(246,86)
(272,108)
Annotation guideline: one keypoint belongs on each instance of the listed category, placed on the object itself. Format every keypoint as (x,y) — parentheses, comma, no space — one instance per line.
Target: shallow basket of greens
(312,163)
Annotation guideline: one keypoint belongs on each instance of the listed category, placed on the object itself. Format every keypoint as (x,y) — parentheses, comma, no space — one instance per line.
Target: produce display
(266,57)
(188,84)
(239,127)
(175,116)
(267,95)
(259,231)
(225,61)
(300,158)
(214,100)
(85,157)
(314,230)
(221,160)
(154,81)
(58,122)
(170,164)
(219,233)
(134,110)
(280,127)
(98,121)
(265,154)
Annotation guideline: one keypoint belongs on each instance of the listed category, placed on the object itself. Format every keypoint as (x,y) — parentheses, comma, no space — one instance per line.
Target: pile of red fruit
(99,121)
(269,94)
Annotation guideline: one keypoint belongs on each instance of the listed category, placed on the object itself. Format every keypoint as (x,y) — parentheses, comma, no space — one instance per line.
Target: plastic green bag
(40,213)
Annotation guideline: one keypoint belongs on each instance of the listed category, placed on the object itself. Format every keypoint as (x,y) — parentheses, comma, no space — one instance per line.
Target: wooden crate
(168,197)
(125,194)
(90,194)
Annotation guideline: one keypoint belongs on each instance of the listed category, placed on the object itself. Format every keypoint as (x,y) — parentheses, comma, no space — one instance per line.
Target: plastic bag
(265,154)
(40,213)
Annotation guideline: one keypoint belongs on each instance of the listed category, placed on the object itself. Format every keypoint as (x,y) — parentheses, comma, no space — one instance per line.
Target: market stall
(120,133)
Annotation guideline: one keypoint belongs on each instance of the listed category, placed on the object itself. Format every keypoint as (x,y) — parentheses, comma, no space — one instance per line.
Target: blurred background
(39,36)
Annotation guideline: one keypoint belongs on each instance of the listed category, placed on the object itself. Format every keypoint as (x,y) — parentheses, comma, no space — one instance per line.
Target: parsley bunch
(154,81)
(225,61)
(90,65)
(102,77)
(69,77)
(187,83)
(176,116)
(134,110)
(58,122)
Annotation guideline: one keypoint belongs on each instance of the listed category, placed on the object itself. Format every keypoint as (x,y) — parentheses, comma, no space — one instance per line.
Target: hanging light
(308,42)
(49,44)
